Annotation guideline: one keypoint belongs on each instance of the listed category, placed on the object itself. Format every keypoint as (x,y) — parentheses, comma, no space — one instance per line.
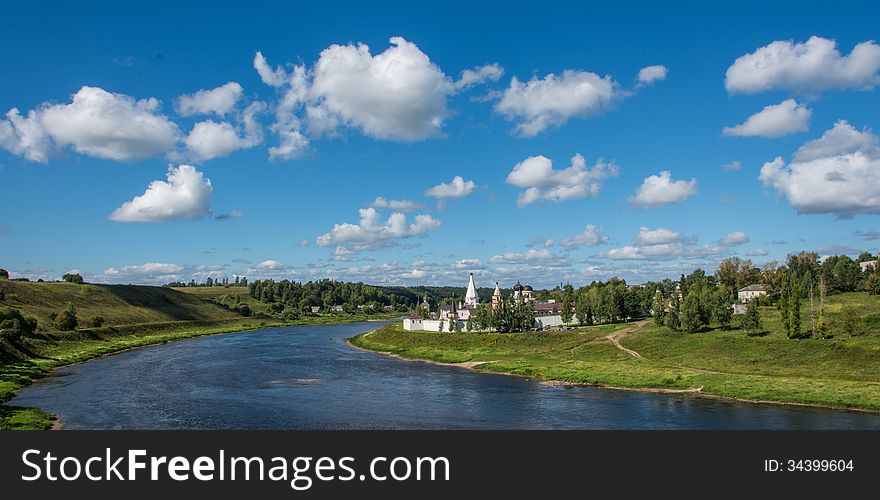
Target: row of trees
(510,316)
(329,293)
(692,304)
(209,281)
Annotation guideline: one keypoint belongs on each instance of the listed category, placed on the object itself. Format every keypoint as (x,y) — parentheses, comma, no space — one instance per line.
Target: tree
(821,326)
(751,322)
(73,278)
(851,322)
(658,307)
(97,321)
(691,315)
(4,274)
(66,319)
(244,310)
(584,309)
(673,317)
(13,325)
(566,307)
(794,312)
(722,309)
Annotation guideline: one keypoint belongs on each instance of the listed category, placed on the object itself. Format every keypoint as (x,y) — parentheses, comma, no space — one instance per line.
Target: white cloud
(732,166)
(273,77)
(775,120)
(151,272)
(293,145)
(371,232)
(591,237)
(270,265)
(468,264)
(659,190)
(542,182)
(220,100)
(478,75)
(665,251)
(96,123)
(398,205)
(841,139)
(844,185)
(398,94)
(24,136)
(185,195)
(553,100)
(458,188)
(733,239)
(658,236)
(542,256)
(757,252)
(232,214)
(651,74)
(209,139)
(810,67)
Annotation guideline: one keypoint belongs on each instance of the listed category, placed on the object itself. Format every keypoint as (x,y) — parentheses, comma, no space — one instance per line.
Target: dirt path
(615,337)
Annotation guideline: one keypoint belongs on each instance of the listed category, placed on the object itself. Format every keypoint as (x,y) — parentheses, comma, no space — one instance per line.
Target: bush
(73,278)
(851,321)
(97,321)
(66,318)
(244,310)
(4,273)
(13,325)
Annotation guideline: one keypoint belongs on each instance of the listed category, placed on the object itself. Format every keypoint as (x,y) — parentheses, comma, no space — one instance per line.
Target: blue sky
(294,151)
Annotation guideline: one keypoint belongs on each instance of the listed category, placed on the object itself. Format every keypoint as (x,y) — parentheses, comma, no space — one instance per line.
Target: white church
(547,313)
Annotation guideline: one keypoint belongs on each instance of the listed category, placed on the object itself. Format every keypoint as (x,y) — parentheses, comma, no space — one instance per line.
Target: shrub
(97,321)
(66,318)
(851,321)
(73,278)
(13,325)
(244,310)
(4,273)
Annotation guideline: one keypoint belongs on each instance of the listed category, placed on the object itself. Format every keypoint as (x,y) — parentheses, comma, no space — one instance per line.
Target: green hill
(119,305)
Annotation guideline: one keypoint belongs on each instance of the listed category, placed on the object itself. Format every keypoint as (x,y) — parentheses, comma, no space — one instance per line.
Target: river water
(309,378)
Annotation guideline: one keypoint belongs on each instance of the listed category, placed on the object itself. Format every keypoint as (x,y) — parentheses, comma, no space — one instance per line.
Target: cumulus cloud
(659,190)
(372,232)
(209,139)
(658,236)
(96,123)
(458,188)
(468,264)
(809,67)
(591,237)
(25,136)
(478,75)
(757,252)
(540,241)
(666,251)
(775,120)
(838,174)
(270,265)
(274,77)
(651,74)
(398,94)
(530,256)
(842,138)
(551,101)
(541,182)
(219,101)
(398,205)
(733,239)
(185,195)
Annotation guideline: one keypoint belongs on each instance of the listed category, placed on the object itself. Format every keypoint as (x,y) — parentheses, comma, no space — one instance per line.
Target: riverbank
(840,374)
(37,357)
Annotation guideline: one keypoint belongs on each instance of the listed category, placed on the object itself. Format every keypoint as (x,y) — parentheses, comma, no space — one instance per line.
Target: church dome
(517,287)
(528,288)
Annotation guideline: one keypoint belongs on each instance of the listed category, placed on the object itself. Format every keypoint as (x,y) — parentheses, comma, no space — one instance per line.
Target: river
(309,378)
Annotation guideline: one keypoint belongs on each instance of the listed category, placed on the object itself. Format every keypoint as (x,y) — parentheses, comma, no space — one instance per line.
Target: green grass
(842,372)
(135,316)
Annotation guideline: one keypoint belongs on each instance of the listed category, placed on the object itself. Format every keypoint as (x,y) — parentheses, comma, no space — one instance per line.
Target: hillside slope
(117,304)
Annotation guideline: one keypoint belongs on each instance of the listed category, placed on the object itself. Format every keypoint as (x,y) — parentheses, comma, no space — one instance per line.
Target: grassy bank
(135,316)
(843,372)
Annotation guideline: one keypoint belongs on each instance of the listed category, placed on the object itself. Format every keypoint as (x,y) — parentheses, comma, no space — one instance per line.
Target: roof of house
(753,288)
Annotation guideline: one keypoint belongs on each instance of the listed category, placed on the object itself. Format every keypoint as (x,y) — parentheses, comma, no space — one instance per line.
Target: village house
(750,292)
(868,264)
